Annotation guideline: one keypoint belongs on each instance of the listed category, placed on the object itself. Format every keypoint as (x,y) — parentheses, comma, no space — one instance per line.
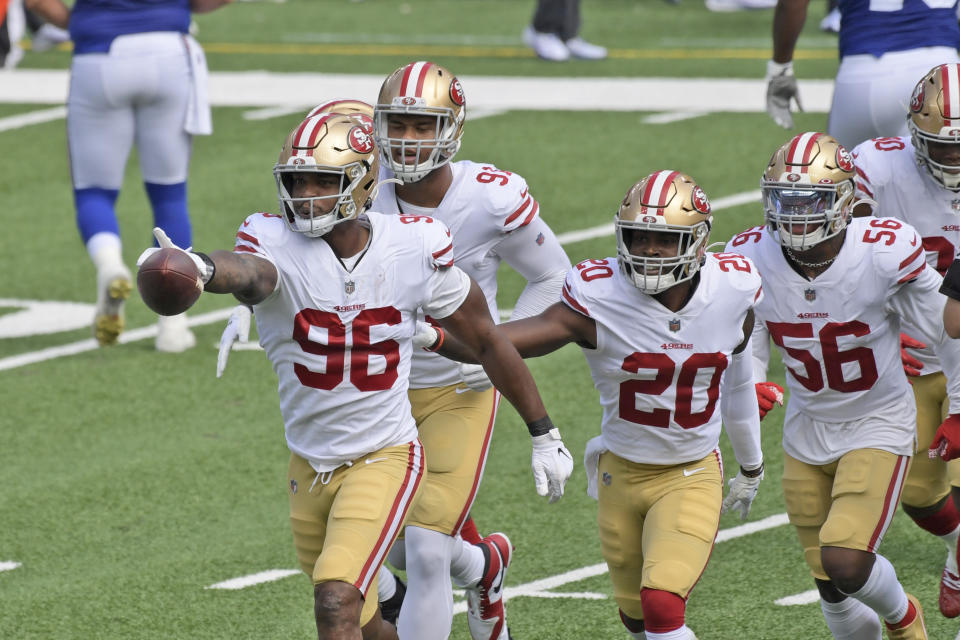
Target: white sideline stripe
(807,597)
(32,117)
(9,566)
(604,230)
(537,588)
(673,116)
(269,89)
(133,335)
(256,578)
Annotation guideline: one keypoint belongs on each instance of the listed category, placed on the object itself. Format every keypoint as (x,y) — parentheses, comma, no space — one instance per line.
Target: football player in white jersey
(835,290)
(917,179)
(418,123)
(656,467)
(336,289)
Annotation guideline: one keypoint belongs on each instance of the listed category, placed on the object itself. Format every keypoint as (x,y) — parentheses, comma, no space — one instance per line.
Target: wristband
(439,343)
(752,473)
(779,68)
(540,427)
(211,267)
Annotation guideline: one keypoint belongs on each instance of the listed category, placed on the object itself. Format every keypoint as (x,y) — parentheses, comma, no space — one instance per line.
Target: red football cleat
(949,594)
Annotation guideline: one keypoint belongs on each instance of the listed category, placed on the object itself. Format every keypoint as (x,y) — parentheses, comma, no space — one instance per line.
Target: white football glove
(474,377)
(552,464)
(742,492)
(237,330)
(781,89)
(206,271)
(426,335)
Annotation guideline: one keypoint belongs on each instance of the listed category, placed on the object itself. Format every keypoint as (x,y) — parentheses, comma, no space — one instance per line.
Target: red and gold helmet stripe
(413,77)
(657,190)
(802,149)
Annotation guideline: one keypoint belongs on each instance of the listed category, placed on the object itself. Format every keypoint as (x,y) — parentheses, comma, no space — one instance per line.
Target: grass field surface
(133,481)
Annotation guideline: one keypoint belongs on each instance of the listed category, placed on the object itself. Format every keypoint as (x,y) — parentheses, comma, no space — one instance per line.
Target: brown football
(169,282)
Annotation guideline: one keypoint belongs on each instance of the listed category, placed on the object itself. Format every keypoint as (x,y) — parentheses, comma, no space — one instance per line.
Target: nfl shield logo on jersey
(955,205)
(293,486)
(349,287)
(810,294)
(674,325)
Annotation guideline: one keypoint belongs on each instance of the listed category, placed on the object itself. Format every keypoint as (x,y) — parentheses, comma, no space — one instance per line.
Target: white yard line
(536,589)
(256,578)
(32,117)
(9,565)
(672,116)
(807,597)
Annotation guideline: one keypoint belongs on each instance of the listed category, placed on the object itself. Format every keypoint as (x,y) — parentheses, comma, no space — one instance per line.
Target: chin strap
(376,188)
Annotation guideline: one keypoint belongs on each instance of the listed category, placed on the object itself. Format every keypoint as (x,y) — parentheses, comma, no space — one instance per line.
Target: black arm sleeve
(951,281)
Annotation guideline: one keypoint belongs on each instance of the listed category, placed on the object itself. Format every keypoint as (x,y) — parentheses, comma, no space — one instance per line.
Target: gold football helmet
(808,190)
(331,144)
(358,109)
(935,117)
(424,89)
(666,202)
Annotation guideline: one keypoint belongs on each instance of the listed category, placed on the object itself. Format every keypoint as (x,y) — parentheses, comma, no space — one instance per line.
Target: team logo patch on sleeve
(360,139)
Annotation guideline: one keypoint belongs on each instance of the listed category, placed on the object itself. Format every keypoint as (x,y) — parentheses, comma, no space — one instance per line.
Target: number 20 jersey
(341,341)
(658,372)
(839,333)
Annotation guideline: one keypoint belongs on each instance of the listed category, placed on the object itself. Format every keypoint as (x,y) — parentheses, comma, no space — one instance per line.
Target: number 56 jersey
(839,336)
(658,372)
(340,340)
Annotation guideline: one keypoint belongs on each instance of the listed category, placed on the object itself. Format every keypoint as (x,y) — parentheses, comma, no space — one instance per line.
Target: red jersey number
(833,357)
(335,349)
(593,269)
(683,413)
(492,174)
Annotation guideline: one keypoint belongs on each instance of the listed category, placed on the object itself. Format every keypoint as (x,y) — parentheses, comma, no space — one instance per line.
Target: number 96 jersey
(838,335)
(658,372)
(341,341)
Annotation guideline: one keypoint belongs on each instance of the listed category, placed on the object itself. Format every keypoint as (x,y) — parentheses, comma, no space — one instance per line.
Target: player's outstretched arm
(53,11)
(250,279)
(552,463)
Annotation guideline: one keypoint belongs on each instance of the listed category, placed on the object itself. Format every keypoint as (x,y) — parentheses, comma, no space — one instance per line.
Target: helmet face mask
(808,191)
(934,124)
(320,148)
(429,91)
(666,219)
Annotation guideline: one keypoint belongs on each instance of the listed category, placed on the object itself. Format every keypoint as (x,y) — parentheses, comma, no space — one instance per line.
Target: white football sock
(683,633)
(106,251)
(883,593)
(427,611)
(386,584)
(466,563)
(850,619)
(951,541)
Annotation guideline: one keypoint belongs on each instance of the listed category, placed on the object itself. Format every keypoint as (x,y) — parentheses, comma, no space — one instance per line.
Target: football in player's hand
(169,282)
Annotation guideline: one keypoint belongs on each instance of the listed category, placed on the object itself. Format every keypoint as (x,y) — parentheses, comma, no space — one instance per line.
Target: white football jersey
(482,205)
(838,334)
(658,372)
(340,341)
(887,172)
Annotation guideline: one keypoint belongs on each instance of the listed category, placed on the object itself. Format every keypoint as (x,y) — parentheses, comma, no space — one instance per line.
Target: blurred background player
(418,123)
(552,33)
(835,289)
(884,47)
(137,77)
(656,467)
(333,283)
(917,179)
